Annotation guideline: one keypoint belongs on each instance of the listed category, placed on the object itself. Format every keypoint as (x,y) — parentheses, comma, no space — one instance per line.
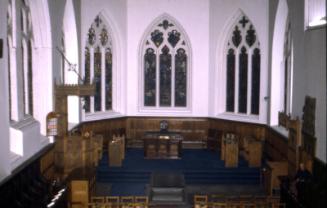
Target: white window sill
(101,115)
(282,130)
(26,122)
(240,117)
(15,160)
(316,27)
(164,111)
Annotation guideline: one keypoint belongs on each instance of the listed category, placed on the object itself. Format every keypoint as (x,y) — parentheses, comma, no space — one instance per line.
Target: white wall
(222,14)
(309,67)
(309,71)
(4,102)
(193,16)
(277,65)
(23,137)
(315,67)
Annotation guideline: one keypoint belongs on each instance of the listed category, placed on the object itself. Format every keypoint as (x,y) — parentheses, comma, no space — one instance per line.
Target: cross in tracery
(98,21)
(243,21)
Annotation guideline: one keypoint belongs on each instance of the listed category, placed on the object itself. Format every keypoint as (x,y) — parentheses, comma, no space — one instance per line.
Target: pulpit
(116,151)
(162,145)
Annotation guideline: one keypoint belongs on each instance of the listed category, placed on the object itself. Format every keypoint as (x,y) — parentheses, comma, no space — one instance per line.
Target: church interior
(163,103)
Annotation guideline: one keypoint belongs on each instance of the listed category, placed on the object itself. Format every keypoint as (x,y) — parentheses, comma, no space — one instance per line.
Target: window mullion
(92,77)
(25,77)
(157,77)
(103,84)
(14,85)
(237,57)
(249,82)
(173,78)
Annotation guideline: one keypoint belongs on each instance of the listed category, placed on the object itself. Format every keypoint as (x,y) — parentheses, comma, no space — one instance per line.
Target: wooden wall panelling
(231,149)
(276,146)
(294,143)
(81,186)
(47,164)
(271,174)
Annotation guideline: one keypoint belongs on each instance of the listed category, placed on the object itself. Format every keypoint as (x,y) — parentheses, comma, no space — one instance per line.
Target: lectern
(230,149)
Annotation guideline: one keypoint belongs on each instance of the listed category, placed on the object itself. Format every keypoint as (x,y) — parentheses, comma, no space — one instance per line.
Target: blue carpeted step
(198,167)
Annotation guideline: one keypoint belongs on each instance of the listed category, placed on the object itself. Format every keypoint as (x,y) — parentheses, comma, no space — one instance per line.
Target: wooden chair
(278,205)
(91,205)
(217,198)
(141,201)
(260,201)
(96,205)
(112,201)
(98,199)
(273,199)
(246,198)
(261,204)
(234,204)
(200,201)
(218,205)
(248,205)
(127,202)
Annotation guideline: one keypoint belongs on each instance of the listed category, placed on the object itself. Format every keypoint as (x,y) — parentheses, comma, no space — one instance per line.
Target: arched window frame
(20,58)
(243,25)
(220,74)
(27,49)
(288,69)
(92,45)
(160,23)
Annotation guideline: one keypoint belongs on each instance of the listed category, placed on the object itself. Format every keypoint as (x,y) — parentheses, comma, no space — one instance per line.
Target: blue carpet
(198,167)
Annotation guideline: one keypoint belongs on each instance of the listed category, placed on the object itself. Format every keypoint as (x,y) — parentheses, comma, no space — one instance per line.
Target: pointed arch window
(98,62)
(243,69)
(288,62)
(20,51)
(165,67)
(27,55)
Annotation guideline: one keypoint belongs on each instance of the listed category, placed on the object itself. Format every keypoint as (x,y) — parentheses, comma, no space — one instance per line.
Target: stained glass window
(165,66)
(243,47)
(180,78)
(99,49)
(165,77)
(97,79)
(230,81)
(108,79)
(87,77)
(243,81)
(150,78)
(255,81)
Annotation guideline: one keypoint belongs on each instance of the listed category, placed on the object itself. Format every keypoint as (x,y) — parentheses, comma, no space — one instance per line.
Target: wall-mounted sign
(52,124)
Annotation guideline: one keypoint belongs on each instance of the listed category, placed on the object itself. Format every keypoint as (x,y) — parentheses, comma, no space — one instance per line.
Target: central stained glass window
(165,65)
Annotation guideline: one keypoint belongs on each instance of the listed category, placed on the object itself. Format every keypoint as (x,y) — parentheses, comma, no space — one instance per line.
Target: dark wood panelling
(242,129)
(276,146)
(107,128)
(27,187)
(192,129)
